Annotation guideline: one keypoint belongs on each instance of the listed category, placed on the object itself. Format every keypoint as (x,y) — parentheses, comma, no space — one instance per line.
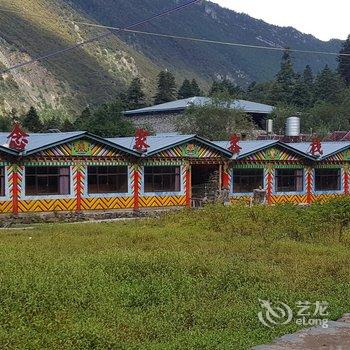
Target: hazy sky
(323,19)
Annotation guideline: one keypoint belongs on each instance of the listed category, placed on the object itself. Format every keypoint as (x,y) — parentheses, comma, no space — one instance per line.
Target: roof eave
(192,138)
(77,137)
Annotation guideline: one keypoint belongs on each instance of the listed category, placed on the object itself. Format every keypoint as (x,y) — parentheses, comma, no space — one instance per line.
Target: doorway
(205,182)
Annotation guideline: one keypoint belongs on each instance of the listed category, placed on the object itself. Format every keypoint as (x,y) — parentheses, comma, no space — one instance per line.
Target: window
(327,179)
(2,181)
(289,180)
(162,178)
(247,180)
(47,181)
(107,179)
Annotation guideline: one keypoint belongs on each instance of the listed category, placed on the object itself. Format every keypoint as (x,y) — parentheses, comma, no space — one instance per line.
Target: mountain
(96,72)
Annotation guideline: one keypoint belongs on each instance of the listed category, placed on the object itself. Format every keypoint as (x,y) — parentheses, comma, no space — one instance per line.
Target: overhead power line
(101,36)
(208,41)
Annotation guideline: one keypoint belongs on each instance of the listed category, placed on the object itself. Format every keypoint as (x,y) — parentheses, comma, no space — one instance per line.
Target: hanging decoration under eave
(18,139)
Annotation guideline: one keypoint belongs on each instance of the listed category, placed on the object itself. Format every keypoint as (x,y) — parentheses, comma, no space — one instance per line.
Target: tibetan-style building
(78,171)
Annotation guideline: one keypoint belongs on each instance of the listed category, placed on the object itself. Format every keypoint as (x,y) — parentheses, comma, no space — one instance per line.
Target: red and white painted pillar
(136,185)
(225,178)
(309,184)
(188,185)
(269,184)
(346,180)
(15,189)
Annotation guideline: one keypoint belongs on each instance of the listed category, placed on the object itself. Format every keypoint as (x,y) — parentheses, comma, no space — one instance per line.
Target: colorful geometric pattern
(82,170)
(19,170)
(65,150)
(43,205)
(296,199)
(107,203)
(178,152)
(166,201)
(326,196)
(273,154)
(6,207)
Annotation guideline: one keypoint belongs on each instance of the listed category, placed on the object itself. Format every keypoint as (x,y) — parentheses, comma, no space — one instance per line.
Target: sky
(323,19)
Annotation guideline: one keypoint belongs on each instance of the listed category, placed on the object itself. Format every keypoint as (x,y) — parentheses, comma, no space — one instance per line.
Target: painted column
(269,183)
(15,189)
(136,184)
(79,184)
(309,184)
(79,187)
(188,185)
(225,176)
(346,179)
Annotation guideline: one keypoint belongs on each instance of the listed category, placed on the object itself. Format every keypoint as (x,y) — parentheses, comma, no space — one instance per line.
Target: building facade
(80,172)
(164,118)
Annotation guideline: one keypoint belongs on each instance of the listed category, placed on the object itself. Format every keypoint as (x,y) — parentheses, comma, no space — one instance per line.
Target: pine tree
(82,121)
(302,93)
(31,121)
(196,91)
(166,88)
(344,62)
(225,87)
(135,96)
(185,90)
(328,85)
(308,76)
(283,87)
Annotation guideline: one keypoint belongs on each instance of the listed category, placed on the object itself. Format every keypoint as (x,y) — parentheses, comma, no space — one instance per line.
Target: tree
(344,62)
(328,85)
(185,90)
(302,95)
(82,121)
(196,91)
(135,96)
(166,88)
(225,87)
(283,87)
(216,120)
(31,121)
(107,121)
(308,76)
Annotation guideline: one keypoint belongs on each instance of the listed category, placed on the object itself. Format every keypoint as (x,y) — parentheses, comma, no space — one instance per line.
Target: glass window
(247,180)
(2,181)
(289,180)
(47,181)
(162,178)
(327,179)
(107,179)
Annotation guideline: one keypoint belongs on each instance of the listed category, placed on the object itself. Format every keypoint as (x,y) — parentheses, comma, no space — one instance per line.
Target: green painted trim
(163,162)
(48,163)
(329,166)
(249,166)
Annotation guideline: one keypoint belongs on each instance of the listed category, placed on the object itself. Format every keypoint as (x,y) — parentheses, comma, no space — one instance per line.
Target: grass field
(180,282)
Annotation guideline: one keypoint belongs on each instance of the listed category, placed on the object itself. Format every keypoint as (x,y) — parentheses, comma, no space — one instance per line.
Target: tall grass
(190,280)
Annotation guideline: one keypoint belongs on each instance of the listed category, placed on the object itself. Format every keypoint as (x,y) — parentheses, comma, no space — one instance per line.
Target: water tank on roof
(269,126)
(293,126)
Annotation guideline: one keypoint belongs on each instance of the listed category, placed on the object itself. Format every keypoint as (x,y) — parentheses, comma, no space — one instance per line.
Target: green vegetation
(190,280)
(166,88)
(216,120)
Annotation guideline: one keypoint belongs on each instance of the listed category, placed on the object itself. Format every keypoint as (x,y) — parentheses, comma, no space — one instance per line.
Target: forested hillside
(99,71)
